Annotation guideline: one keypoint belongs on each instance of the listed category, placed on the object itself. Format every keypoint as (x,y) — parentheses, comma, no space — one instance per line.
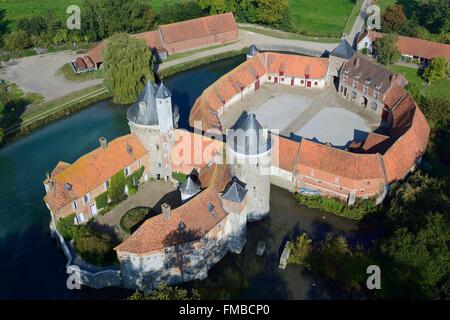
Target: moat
(34,268)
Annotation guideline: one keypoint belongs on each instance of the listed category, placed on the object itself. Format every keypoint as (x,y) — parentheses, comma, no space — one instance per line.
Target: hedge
(102,200)
(93,246)
(359,210)
(133,218)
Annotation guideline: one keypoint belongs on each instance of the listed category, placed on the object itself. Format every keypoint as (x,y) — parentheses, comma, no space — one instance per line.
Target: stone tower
(249,152)
(152,119)
(234,201)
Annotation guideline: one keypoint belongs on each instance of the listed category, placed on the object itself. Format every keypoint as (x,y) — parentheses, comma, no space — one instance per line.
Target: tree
(300,249)
(103,18)
(17,40)
(437,70)
(217,6)
(386,49)
(272,12)
(165,292)
(434,15)
(128,65)
(2,136)
(33,26)
(179,11)
(3,25)
(393,18)
(117,187)
(336,261)
(93,246)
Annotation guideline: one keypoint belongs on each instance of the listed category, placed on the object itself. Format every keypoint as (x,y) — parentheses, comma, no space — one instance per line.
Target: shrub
(364,51)
(361,209)
(17,40)
(179,176)
(133,218)
(116,189)
(93,246)
(66,226)
(102,200)
(300,249)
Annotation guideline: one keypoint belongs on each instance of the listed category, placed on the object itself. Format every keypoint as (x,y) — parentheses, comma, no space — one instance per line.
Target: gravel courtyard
(318,114)
(39,74)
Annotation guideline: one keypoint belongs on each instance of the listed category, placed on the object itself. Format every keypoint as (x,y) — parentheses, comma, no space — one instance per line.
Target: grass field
(439,88)
(323,18)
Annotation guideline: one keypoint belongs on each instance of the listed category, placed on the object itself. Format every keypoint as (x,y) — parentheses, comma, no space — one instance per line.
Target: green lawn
(383,3)
(323,18)
(439,88)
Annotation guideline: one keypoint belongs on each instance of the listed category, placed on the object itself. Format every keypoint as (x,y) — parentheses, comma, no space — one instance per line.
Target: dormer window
(127,171)
(74,205)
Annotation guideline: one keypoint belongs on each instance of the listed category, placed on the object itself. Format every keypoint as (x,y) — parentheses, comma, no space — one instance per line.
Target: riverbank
(45,113)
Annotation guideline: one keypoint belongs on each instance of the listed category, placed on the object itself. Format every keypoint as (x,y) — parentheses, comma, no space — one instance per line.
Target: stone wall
(107,277)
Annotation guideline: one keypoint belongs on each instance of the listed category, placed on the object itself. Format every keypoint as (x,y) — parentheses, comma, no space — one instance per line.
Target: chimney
(103,142)
(166,211)
(49,184)
(393,77)
(142,107)
(357,61)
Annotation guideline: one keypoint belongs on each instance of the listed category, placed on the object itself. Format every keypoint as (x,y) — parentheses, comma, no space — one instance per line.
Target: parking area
(318,114)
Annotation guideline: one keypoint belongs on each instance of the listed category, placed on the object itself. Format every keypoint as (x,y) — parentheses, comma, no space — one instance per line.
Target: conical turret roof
(235,191)
(343,50)
(163,92)
(247,135)
(149,115)
(189,187)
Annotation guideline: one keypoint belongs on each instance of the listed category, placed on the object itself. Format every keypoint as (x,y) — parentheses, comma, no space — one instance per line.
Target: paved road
(247,38)
(359,23)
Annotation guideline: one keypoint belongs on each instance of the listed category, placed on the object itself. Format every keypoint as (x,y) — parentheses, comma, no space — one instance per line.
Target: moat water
(33,267)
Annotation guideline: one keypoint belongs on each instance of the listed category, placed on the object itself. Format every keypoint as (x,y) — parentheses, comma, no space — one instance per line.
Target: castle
(220,197)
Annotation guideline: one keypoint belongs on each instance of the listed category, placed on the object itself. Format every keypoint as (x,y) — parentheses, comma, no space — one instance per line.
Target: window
(74,205)
(353,95)
(106,184)
(302,82)
(270,78)
(377,95)
(316,83)
(166,156)
(87,197)
(355,84)
(139,162)
(127,171)
(366,89)
(374,105)
(159,165)
(282,79)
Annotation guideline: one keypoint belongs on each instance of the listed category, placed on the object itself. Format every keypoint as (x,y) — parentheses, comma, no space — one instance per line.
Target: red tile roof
(404,153)
(92,169)
(193,150)
(157,233)
(284,153)
(415,46)
(198,28)
(339,162)
(207,106)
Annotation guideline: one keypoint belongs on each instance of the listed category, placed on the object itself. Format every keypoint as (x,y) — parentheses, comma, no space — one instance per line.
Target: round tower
(249,152)
(151,119)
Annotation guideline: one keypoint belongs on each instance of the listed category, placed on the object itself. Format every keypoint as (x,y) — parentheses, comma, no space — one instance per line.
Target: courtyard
(316,114)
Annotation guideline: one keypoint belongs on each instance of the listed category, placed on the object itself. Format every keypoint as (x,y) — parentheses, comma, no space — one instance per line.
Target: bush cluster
(133,218)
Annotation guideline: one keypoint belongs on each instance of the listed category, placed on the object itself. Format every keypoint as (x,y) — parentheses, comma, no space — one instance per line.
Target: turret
(164,109)
(252,51)
(234,201)
(249,153)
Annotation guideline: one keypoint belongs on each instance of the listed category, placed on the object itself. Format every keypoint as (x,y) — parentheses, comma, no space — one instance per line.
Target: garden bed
(134,218)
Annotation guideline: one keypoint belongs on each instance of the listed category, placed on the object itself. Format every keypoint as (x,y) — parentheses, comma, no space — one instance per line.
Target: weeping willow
(128,66)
